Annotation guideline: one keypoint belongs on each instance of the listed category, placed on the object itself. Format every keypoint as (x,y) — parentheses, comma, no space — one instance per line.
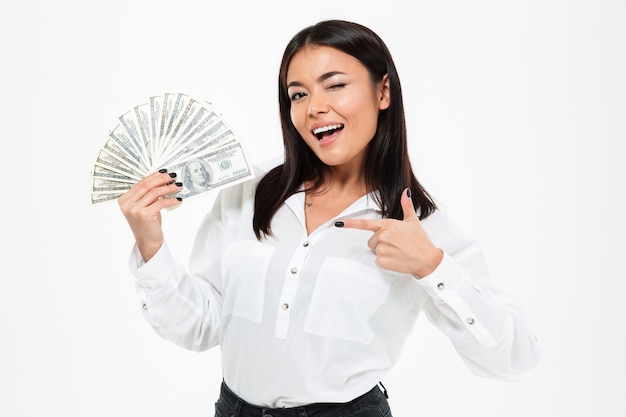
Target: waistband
(236,407)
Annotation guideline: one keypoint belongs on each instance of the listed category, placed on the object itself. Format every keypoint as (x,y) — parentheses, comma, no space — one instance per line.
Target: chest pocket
(244,271)
(345,297)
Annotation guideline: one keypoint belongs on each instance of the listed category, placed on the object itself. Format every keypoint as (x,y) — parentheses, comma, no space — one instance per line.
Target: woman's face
(334,105)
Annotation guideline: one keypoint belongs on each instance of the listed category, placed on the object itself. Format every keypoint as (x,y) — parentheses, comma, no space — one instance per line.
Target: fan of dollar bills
(174,131)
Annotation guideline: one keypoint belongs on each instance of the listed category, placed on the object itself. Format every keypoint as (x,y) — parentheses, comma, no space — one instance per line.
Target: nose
(317,105)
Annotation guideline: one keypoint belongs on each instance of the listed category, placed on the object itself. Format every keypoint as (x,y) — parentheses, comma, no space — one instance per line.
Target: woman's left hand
(401,245)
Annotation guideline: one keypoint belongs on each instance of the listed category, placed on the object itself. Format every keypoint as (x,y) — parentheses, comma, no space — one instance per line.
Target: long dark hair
(387,167)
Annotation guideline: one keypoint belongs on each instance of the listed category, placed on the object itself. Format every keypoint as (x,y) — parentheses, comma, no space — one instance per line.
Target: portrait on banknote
(175,131)
(197,176)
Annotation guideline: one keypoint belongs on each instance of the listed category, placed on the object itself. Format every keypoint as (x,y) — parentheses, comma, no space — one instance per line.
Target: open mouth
(323,131)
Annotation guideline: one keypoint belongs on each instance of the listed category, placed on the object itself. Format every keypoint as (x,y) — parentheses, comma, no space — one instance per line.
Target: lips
(322,131)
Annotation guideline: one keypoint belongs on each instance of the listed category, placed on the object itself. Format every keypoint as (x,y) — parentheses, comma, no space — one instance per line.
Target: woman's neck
(336,181)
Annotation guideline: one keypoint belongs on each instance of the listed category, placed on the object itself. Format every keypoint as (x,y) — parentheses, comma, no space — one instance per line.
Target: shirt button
(470,320)
(294,270)
(305,244)
(144,306)
(441,286)
(285,306)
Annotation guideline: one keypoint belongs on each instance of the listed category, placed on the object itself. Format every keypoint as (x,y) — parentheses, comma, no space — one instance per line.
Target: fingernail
(179,184)
(179,198)
(408,192)
(339,224)
(172,175)
(162,170)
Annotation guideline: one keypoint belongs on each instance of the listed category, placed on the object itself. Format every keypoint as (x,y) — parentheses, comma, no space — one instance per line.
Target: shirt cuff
(445,285)
(448,275)
(159,269)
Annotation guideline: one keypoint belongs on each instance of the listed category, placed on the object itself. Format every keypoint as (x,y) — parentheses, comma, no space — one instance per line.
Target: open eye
(297,96)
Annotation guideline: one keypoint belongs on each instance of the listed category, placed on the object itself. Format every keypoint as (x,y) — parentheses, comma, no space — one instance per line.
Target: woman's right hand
(142,206)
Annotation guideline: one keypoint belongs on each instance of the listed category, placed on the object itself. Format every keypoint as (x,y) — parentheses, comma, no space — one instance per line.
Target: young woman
(311,277)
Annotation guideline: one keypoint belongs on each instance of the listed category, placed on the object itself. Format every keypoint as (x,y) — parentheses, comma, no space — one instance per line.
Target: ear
(384,95)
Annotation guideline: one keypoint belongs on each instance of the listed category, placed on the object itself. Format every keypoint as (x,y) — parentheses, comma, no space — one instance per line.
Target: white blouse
(310,318)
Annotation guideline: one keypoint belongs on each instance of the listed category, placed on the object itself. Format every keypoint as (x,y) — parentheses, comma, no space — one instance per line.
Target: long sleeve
(486,326)
(184,306)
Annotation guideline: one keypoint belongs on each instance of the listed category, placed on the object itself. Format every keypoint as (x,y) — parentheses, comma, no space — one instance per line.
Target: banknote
(130,126)
(225,166)
(172,130)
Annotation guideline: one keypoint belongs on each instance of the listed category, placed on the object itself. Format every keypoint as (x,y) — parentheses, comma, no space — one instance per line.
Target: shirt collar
(366,203)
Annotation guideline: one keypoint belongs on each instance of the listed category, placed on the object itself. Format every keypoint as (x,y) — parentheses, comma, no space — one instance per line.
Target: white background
(516,116)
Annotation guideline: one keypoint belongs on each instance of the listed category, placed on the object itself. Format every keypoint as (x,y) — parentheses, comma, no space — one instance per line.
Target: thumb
(407,205)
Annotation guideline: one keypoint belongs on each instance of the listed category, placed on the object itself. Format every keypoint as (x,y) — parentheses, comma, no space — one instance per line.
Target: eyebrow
(321,78)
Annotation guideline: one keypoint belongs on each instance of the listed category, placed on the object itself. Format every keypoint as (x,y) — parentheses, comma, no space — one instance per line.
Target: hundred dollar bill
(109,186)
(156,112)
(104,186)
(130,124)
(142,118)
(108,173)
(167,107)
(101,198)
(215,169)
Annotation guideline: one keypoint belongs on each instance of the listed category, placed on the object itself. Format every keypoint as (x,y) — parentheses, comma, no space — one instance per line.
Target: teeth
(323,129)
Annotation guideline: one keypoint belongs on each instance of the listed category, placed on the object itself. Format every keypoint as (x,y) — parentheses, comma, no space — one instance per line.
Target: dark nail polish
(172,175)
(179,184)
(338,224)
(163,170)
(408,192)
(179,198)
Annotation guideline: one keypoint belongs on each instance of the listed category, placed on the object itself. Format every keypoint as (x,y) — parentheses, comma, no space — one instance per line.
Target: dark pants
(371,404)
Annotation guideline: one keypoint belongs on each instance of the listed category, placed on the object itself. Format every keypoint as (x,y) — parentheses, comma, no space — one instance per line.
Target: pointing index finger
(363,224)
